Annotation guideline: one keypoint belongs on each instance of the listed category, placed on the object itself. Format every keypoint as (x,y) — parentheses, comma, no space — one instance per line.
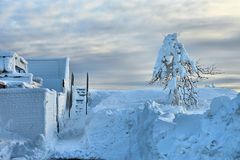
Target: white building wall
(55,72)
(28,112)
(56,75)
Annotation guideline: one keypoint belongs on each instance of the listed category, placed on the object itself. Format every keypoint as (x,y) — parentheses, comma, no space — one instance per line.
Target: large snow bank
(212,135)
(139,125)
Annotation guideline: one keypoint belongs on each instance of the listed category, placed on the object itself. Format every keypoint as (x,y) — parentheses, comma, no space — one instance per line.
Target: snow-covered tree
(177,72)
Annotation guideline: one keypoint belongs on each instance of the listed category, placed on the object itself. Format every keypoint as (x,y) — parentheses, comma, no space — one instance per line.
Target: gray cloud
(117,41)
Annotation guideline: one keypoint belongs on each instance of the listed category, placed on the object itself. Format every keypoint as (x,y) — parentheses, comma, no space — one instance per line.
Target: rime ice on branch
(177,72)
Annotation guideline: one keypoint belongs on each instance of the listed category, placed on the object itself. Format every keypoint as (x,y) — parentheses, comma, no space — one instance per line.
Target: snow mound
(212,135)
(14,147)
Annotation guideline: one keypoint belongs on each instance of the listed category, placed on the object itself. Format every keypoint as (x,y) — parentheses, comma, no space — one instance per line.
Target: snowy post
(177,72)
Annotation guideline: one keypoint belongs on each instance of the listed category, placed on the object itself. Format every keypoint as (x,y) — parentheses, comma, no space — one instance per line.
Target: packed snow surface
(141,125)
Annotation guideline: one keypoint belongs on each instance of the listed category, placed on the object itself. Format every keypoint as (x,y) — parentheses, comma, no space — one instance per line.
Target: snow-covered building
(34,94)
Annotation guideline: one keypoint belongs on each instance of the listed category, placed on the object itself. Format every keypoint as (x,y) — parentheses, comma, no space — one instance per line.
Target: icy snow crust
(139,125)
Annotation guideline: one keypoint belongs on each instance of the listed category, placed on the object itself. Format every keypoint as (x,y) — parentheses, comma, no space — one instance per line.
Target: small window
(19,70)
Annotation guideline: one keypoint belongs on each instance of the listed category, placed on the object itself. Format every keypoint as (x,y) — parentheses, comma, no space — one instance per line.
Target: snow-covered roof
(7,54)
(12,54)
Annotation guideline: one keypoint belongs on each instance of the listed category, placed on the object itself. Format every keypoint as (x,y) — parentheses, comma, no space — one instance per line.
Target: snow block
(28,112)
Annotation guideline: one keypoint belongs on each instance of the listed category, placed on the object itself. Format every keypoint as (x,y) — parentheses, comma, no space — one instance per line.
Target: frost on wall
(28,112)
(177,72)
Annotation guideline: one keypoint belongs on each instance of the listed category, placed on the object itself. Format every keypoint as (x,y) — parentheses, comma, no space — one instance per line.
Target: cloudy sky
(117,41)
